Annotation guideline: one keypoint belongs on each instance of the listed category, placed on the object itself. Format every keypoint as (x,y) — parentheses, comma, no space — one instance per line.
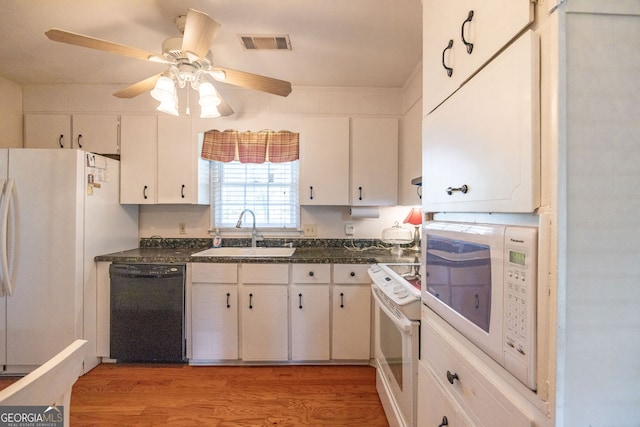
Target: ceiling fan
(189,61)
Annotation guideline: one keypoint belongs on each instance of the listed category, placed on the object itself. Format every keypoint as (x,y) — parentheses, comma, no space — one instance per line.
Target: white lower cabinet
(265,332)
(279,312)
(309,308)
(434,409)
(351,313)
(460,383)
(214,312)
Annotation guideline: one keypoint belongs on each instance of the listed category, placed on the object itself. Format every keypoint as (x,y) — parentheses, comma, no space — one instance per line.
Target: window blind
(270,190)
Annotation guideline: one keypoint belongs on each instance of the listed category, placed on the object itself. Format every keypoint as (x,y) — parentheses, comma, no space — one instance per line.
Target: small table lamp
(415,218)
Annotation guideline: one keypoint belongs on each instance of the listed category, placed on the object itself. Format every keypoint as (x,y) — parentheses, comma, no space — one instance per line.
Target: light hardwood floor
(153,395)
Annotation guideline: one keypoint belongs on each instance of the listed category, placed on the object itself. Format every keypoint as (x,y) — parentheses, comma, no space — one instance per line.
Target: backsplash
(200,243)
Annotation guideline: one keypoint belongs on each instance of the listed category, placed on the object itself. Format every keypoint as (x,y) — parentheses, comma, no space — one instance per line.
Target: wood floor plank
(233,396)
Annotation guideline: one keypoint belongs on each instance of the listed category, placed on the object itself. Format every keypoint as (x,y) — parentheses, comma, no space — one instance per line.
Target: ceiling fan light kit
(189,60)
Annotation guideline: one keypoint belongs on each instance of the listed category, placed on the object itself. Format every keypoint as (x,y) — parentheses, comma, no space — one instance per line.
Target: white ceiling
(336,43)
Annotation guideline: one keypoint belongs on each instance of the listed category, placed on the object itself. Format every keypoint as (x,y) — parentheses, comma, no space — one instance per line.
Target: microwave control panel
(520,270)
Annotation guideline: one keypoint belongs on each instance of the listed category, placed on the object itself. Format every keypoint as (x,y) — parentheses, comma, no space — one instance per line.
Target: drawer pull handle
(60,141)
(341,299)
(144,192)
(452,377)
(250,301)
(477,301)
(228,297)
(182,191)
(311,192)
(79,141)
(469,45)
(445,422)
(300,303)
(359,193)
(464,189)
(444,52)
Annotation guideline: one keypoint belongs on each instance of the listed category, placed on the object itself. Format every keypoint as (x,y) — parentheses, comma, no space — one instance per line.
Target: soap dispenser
(217,239)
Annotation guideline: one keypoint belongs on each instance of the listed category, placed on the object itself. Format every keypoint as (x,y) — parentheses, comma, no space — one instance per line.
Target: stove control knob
(403,293)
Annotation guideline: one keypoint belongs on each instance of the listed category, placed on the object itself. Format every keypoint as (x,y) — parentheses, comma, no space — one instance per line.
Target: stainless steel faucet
(254,232)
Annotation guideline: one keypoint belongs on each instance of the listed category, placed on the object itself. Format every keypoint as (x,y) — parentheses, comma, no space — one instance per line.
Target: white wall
(10,114)
(163,219)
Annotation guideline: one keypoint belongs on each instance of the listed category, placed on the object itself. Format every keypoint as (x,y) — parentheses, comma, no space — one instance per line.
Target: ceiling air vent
(255,42)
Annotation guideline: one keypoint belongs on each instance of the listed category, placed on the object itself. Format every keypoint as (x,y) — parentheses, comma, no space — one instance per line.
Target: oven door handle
(403,324)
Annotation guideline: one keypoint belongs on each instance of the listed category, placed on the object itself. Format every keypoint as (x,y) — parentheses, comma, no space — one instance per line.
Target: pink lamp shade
(414,217)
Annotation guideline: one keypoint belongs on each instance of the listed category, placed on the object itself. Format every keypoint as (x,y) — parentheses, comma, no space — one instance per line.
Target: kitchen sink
(246,252)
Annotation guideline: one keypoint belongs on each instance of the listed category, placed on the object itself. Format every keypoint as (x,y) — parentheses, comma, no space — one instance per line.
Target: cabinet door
(309,306)
(434,408)
(484,139)
(175,160)
(492,24)
(324,161)
(214,322)
(47,131)
(96,133)
(374,162)
(138,159)
(351,308)
(265,334)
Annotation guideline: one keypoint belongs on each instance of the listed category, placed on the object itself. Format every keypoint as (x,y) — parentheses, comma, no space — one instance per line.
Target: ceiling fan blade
(94,43)
(138,88)
(199,32)
(253,81)
(224,108)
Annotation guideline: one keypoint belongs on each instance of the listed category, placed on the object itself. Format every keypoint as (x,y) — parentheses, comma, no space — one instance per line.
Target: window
(270,190)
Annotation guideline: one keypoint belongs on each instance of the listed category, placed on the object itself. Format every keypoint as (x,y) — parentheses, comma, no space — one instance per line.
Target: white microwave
(481,279)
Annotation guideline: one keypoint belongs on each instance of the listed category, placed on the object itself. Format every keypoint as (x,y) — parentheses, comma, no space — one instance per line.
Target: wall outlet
(310,230)
(349,229)
(182,228)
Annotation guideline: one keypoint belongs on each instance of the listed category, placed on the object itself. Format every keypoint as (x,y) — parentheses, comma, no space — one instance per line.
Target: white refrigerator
(58,210)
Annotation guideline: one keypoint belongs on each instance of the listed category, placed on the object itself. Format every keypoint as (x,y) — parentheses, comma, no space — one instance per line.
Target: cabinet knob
(469,45)
(352,274)
(451,377)
(444,52)
(464,189)
(311,274)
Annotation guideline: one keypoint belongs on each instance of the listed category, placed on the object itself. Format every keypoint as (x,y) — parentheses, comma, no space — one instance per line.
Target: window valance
(251,147)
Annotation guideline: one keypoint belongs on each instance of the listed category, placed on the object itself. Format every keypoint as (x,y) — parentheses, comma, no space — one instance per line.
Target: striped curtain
(251,147)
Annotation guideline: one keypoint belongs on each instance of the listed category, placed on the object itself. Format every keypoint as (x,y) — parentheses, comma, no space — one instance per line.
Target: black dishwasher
(147,312)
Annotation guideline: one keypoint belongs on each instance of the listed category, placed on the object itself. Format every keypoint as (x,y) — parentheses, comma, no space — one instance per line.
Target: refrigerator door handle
(8,194)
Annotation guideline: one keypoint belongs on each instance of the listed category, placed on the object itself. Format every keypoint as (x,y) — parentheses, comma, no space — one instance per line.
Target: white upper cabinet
(47,131)
(374,161)
(481,146)
(459,37)
(139,140)
(175,155)
(160,161)
(324,161)
(96,133)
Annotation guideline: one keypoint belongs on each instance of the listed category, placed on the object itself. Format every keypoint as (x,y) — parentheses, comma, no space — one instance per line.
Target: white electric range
(396,292)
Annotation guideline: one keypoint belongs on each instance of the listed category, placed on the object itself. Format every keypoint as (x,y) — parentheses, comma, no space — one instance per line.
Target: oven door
(396,354)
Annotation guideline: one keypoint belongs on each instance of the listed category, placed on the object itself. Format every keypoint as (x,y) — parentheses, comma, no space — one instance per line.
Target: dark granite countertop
(306,252)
